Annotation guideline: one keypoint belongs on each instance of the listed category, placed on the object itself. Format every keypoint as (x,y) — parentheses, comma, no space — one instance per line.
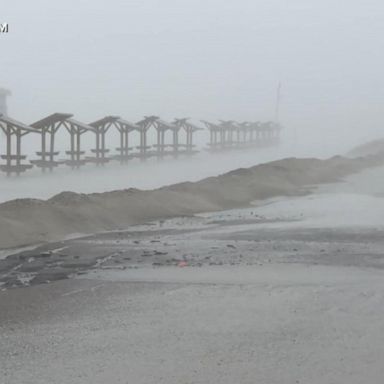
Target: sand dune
(371,148)
(31,221)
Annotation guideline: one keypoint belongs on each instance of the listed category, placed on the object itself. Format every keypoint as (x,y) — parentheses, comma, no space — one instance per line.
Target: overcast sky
(199,58)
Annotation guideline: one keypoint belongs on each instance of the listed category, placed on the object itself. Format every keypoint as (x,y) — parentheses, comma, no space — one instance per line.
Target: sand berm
(32,221)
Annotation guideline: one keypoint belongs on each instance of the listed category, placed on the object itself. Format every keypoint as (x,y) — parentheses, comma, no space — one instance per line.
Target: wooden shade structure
(101,128)
(14,131)
(125,127)
(48,127)
(76,129)
(224,135)
(189,129)
(229,134)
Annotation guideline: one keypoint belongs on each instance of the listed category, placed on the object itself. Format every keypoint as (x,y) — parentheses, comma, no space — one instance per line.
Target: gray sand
(288,291)
(30,221)
(286,324)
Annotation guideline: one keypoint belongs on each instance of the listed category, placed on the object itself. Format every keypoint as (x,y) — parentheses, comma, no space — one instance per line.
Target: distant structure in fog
(4,93)
(223,136)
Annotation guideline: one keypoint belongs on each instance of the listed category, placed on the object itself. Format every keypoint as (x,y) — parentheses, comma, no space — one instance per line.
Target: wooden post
(143,144)
(175,143)
(222,138)
(122,149)
(126,144)
(52,148)
(18,151)
(9,149)
(190,139)
(43,145)
(72,148)
(158,149)
(162,148)
(78,149)
(103,132)
(97,146)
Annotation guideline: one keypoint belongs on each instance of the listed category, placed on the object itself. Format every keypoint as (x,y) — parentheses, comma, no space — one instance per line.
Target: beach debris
(44,254)
(182,264)
(157,264)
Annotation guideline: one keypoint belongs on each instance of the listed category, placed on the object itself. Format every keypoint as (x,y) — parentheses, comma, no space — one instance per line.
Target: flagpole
(278,100)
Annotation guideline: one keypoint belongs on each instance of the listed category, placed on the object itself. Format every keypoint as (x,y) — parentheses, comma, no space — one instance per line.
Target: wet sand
(291,324)
(289,290)
(32,221)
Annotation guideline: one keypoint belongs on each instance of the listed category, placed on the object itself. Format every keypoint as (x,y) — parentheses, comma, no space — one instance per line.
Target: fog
(202,59)
(193,269)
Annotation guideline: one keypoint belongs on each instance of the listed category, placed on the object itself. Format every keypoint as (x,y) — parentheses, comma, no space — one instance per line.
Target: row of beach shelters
(168,139)
(173,139)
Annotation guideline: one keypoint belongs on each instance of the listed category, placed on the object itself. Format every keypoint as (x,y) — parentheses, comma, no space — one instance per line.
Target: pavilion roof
(17,124)
(51,119)
(104,120)
(79,124)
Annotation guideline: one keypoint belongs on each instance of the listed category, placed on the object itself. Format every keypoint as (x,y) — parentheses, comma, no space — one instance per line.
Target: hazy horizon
(202,59)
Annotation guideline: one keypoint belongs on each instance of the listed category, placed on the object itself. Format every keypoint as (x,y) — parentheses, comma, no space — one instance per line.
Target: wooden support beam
(13,161)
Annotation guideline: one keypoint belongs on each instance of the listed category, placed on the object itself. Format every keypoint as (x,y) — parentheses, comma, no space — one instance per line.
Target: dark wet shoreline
(225,238)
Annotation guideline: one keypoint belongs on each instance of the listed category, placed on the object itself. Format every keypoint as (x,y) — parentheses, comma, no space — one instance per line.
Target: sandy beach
(286,290)
(31,221)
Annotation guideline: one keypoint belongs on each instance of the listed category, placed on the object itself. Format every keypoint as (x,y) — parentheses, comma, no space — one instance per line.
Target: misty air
(191,192)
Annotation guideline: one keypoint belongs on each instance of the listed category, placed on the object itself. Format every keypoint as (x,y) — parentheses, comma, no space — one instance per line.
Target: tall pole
(278,100)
